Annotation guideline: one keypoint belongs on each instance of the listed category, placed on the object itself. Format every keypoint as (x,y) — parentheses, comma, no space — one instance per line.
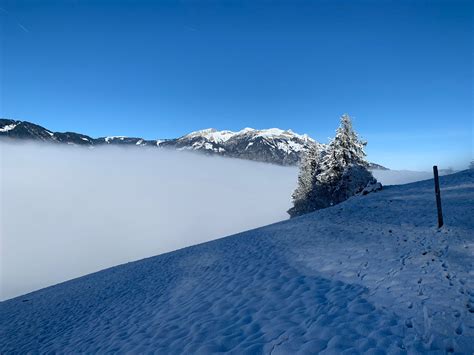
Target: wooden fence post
(438,196)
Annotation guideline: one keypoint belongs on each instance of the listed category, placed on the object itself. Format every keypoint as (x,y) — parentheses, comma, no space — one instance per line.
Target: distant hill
(277,146)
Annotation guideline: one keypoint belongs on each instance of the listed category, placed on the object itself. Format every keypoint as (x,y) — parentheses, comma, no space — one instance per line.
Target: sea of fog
(68,211)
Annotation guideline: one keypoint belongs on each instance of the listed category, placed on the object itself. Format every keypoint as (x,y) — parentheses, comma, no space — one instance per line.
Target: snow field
(371,275)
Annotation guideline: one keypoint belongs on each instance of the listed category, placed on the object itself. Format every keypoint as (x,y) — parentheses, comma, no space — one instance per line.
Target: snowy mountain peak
(246,130)
(201,132)
(272,145)
(277,132)
(211,134)
(221,136)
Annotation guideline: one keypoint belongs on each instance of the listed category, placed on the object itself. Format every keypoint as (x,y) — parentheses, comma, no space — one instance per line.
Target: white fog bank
(67,212)
(398,177)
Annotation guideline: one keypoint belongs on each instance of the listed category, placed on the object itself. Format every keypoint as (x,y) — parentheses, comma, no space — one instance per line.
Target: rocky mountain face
(268,145)
(25,130)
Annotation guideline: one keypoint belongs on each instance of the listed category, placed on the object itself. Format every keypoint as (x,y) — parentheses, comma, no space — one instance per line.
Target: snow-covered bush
(332,176)
(355,179)
(372,186)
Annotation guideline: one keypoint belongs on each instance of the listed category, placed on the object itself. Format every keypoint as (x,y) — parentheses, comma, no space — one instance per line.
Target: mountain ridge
(273,145)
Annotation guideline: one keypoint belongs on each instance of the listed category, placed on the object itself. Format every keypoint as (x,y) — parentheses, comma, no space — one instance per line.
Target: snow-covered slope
(372,274)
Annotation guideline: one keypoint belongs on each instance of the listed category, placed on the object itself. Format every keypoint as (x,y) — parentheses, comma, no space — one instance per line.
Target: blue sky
(159,69)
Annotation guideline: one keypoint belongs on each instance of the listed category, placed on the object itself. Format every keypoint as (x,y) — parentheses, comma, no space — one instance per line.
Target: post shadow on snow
(235,294)
(422,193)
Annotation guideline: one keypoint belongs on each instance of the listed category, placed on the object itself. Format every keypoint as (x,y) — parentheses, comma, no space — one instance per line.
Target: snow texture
(212,135)
(216,136)
(8,127)
(370,275)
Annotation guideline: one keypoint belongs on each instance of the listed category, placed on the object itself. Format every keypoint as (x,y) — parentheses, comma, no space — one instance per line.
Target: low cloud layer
(397,177)
(68,211)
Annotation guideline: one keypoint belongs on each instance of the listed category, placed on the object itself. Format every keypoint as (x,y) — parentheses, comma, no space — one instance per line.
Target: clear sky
(159,69)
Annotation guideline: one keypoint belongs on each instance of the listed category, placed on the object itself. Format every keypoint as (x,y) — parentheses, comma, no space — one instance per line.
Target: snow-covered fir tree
(345,149)
(330,177)
(310,167)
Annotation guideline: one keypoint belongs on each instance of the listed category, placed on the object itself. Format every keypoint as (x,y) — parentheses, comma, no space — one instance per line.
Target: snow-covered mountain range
(277,146)
(269,145)
(29,131)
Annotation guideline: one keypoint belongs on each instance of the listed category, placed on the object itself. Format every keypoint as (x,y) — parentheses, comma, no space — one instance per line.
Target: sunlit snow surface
(222,136)
(7,128)
(371,274)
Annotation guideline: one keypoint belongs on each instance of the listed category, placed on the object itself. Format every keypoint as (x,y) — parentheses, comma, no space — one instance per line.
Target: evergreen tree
(310,167)
(330,177)
(345,149)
